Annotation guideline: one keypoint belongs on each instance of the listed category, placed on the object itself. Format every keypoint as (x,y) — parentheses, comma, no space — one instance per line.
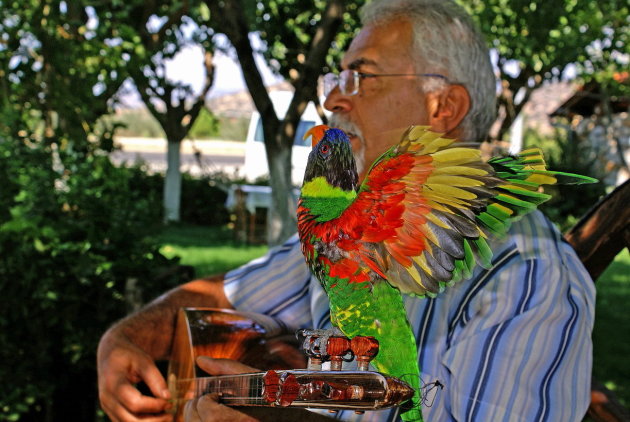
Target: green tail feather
(568,178)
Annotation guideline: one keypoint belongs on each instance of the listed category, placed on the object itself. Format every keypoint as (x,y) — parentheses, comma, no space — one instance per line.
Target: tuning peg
(337,348)
(365,348)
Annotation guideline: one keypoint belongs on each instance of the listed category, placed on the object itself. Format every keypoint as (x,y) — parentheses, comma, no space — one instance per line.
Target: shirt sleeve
(276,285)
(519,346)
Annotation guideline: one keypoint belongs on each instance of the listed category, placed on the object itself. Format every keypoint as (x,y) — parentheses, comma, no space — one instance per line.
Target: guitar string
(252,383)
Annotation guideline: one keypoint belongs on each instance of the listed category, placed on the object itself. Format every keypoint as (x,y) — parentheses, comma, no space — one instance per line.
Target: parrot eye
(324,149)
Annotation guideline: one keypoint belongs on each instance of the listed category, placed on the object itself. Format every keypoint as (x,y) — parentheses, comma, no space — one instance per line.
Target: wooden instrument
(261,341)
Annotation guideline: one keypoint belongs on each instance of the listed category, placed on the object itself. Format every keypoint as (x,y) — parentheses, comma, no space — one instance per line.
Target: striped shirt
(513,343)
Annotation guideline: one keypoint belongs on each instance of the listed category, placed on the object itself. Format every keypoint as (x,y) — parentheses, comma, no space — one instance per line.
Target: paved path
(226,156)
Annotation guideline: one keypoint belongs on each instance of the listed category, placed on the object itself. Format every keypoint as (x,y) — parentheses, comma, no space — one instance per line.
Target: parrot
(421,220)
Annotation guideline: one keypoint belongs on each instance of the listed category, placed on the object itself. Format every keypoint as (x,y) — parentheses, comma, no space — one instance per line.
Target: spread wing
(424,213)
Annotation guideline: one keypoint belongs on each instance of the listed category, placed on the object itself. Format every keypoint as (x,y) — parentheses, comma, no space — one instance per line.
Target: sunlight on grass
(210,250)
(611,347)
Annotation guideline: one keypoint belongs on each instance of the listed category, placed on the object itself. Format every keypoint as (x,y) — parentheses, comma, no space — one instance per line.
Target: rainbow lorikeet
(420,221)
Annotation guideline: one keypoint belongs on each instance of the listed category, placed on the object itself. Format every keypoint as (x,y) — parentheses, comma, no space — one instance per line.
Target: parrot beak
(316,133)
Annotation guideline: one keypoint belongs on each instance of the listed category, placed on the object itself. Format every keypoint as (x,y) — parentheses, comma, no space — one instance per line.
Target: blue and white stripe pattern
(511,344)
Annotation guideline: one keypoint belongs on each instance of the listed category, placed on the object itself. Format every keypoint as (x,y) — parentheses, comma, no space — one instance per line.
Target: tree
(73,230)
(151,33)
(298,35)
(538,40)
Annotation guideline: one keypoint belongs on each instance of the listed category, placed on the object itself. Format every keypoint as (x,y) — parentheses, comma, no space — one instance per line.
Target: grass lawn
(213,250)
(611,335)
(210,250)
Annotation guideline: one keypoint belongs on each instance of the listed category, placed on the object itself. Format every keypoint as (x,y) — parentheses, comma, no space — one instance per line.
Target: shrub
(73,231)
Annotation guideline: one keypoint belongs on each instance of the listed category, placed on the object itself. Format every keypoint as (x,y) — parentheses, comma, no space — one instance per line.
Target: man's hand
(121,364)
(207,408)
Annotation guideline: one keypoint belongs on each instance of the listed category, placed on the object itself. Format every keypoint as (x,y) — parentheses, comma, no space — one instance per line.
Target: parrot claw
(316,340)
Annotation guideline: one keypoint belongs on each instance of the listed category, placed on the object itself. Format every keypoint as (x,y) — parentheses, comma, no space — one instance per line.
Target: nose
(337,102)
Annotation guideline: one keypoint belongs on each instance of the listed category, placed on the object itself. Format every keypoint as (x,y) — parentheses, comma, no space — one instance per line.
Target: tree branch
(306,83)
(229,17)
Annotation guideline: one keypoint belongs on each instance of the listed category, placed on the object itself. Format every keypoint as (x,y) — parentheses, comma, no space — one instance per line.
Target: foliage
(151,33)
(537,40)
(72,229)
(70,242)
(288,28)
(203,198)
(55,77)
(206,125)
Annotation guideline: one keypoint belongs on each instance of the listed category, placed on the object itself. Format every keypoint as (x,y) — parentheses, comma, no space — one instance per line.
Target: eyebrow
(355,64)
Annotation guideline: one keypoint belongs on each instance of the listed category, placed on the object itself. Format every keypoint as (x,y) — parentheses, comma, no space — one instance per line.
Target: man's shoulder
(536,237)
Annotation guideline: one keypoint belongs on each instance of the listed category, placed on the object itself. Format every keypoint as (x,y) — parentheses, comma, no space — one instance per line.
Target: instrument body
(260,341)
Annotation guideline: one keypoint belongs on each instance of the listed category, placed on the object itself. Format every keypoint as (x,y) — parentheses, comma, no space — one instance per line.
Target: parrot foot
(316,341)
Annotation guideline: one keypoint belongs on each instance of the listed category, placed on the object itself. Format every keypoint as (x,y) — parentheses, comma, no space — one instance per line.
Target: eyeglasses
(349,80)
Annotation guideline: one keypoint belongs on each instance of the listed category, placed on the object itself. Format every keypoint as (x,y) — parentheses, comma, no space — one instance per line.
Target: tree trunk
(172,183)
(281,219)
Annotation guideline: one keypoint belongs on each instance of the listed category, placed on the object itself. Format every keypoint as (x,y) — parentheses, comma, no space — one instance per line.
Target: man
(512,343)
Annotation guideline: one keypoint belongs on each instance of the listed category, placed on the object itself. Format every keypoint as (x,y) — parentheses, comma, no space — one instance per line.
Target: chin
(358,149)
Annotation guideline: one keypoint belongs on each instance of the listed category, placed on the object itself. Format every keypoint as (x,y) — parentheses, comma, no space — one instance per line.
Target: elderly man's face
(384,104)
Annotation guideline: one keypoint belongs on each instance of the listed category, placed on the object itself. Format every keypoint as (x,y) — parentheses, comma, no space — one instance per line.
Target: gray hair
(445,39)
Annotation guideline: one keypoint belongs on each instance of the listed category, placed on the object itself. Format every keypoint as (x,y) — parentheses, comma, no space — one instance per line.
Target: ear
(447,108)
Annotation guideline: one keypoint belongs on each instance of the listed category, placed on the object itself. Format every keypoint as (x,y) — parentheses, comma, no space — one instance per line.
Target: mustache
(340,122)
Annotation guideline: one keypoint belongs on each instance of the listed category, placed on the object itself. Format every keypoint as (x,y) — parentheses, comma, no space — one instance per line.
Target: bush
(202,200)
(73,231)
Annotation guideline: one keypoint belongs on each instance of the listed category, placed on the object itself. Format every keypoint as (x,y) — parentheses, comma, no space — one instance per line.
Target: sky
(187,66)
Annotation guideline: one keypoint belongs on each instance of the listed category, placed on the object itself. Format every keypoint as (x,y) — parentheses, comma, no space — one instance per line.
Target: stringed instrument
(260,341)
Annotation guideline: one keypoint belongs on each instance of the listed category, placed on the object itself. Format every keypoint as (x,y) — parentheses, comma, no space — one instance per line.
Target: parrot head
(331,158)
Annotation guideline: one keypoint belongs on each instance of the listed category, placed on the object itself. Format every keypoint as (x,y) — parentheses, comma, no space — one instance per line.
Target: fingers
(223,366)
(119,369)
(120,414)
(128,404)
(207,409)
(153,378)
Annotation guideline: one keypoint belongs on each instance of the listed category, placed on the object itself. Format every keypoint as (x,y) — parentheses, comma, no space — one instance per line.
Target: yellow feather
(436,144)
(503,208)
(509,186)
(447,200)
(422,263)
(454,180)
(536,153)
(413,272)
(416,132)
(460,170)
(451,191)
(440,206)
(454,156)
(432,218)
(541,179)
(428,233)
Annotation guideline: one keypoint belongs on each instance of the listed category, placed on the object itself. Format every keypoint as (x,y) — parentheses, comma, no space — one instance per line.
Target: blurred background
(134,138)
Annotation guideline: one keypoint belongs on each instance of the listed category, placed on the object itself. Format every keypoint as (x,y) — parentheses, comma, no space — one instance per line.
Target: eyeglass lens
(347,80)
